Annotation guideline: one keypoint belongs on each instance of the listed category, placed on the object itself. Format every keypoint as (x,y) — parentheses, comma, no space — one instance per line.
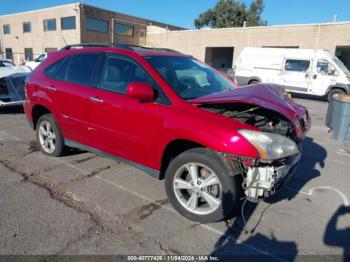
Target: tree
(230,13)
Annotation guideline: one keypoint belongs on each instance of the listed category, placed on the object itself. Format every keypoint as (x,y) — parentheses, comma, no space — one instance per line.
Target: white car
(33,64)
(12,84)
(6,63)
(305,71)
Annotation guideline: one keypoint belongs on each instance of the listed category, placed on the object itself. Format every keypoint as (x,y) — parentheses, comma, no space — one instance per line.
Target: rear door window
(81,68)
(296,65)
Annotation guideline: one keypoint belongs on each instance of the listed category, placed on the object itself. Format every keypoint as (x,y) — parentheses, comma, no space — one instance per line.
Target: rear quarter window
(51,70)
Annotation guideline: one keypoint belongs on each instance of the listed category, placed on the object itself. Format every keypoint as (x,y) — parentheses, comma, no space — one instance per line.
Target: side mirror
(140,91)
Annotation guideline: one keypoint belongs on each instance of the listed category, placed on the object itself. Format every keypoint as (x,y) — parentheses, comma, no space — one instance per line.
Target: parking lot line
(209,228)
(312,190)
(218,232)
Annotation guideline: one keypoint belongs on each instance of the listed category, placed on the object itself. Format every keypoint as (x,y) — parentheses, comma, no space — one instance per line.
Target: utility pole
(112,31)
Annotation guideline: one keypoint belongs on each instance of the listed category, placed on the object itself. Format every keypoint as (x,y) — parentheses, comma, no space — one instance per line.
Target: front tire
(334,92)
(49,136)
(201,185)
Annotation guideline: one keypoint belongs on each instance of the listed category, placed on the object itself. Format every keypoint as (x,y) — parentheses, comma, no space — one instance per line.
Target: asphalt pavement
(86,204)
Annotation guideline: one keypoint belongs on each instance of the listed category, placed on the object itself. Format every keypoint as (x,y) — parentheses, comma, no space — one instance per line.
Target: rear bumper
(27,110)
(15,103)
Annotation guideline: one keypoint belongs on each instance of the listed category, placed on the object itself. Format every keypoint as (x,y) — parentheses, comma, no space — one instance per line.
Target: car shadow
(338,237)
(12,110)
(255,245)
(270,247)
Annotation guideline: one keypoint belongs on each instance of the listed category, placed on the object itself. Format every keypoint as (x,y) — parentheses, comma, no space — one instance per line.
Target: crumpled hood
(268,96)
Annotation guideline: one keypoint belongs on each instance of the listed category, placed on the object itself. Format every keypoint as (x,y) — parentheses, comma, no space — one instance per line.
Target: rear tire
(49,136)
(208,200)
(334,92)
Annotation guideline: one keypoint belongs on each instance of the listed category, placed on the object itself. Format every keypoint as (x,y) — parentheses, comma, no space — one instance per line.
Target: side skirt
(150,171)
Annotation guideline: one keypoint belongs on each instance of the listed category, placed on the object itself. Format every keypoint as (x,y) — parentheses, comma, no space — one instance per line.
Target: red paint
(139,130)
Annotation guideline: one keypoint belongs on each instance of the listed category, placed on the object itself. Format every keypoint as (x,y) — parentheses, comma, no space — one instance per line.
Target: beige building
(220,47)
(25,35)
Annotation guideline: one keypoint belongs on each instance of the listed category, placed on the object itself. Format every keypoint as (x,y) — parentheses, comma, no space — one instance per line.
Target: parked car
(306,71)
(12,87)
(6,63)
(173,117)
(33,64)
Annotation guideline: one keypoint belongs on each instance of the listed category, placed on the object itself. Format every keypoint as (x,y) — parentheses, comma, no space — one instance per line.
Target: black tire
(333,92)
(252,82)
(59,141)
(225,171)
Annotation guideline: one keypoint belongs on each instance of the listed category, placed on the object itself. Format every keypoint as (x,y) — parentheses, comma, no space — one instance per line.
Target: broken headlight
(269,145)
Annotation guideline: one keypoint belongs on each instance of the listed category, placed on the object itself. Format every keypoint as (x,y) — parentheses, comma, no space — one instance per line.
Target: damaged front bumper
(266,179)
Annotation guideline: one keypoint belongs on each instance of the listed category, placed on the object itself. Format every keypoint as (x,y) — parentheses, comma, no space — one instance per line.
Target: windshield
(188,77)
(6,64)
(341,65)
(40,58)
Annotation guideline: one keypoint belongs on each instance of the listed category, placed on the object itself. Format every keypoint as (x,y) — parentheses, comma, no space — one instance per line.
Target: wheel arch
(173,149)
(37,111)
(254,79)
(343,87)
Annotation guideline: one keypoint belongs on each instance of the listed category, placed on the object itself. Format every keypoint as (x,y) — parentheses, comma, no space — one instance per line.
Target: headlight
(269,145)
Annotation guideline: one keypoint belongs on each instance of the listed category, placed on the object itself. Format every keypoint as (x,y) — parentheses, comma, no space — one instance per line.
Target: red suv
(172,116)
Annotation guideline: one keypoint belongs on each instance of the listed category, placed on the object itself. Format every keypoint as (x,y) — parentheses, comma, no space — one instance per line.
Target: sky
(183,12)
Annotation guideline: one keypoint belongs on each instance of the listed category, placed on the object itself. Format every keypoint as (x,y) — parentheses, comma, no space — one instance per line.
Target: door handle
(51,88)
(95,99)
(315,77)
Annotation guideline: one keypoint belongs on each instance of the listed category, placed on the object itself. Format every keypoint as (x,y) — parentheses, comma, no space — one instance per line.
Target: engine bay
(264,119)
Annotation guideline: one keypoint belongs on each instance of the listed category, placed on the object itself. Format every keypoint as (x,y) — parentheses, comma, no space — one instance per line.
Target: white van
(306,71)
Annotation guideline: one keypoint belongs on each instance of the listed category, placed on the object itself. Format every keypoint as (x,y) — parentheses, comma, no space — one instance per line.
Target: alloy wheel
(197,188)
(47,137)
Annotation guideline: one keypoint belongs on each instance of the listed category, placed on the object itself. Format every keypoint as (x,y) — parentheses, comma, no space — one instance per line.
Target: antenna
(65,43)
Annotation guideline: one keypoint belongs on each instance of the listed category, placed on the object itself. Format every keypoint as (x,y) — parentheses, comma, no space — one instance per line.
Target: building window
(50,24)
(142,33)
(68,23)
(98,25)
(27,28)
(7,29)
(8,53)
(28,54)
(124,30)
(50,49)
(297,65)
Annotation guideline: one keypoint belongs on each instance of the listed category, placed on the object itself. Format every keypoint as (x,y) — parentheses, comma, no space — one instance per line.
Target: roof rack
(154,48)
(122,46)
(68,47)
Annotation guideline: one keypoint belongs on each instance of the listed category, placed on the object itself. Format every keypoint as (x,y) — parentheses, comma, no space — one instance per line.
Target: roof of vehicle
(13,71)
(141,50)
(5,60)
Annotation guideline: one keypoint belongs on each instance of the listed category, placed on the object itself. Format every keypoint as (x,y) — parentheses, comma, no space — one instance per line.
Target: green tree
(231,13)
